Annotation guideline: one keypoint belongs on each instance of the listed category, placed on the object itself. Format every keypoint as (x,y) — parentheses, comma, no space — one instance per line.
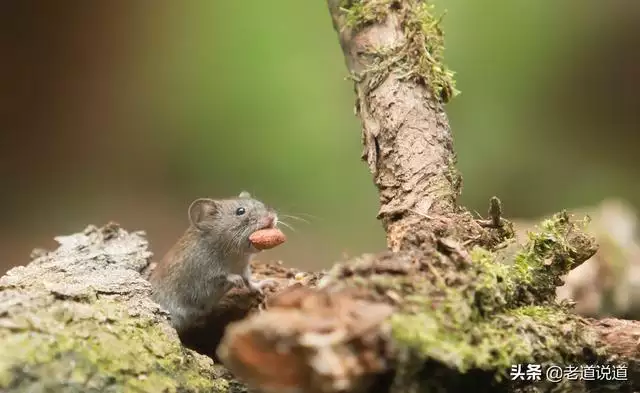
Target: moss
(426,37)
(479,353)
(479,327)
(420,57)
(480,316)
(491,344)
(551,253)
(502,314)
(454,340)
(75,349)
(362,13)
(530,273)
(492,281)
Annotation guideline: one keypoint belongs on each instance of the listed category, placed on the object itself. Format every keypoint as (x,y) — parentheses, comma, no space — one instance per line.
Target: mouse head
(231,221)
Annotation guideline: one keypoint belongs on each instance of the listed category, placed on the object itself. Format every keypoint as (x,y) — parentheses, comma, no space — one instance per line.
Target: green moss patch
(79,348)
(477,313)
(421,55)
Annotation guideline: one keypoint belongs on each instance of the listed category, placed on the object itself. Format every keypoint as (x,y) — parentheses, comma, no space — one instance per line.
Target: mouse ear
(245,194)
(200,210)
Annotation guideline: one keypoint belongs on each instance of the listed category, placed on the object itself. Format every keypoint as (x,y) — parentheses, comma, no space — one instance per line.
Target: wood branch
(405,132)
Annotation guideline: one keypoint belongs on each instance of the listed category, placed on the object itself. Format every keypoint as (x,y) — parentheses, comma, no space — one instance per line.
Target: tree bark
(407,141)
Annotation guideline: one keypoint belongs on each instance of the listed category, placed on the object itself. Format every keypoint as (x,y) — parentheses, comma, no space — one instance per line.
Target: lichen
(74,347)
(420,57)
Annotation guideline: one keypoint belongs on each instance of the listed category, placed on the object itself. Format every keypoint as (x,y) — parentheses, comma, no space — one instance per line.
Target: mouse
(211,257)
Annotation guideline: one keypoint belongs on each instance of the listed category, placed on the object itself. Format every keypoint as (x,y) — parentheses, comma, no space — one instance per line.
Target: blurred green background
(127,111)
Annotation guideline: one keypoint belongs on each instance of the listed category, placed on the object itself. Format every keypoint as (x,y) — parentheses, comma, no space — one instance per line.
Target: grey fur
(211,257)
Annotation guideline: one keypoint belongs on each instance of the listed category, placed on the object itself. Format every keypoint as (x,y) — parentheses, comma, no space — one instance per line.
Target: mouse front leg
(257,286)
(234,280)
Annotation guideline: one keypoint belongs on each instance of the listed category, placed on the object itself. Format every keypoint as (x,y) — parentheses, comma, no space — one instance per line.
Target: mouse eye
(240,211)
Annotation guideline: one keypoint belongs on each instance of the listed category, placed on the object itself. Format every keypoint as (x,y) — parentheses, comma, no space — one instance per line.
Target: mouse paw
(260,286)
(235,280)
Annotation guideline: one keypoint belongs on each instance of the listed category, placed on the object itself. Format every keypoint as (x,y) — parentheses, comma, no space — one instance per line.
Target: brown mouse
(210,258)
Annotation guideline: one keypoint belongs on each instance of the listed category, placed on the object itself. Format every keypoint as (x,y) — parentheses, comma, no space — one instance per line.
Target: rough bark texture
(413,164)
(451,306)
(407,140)
(78,319)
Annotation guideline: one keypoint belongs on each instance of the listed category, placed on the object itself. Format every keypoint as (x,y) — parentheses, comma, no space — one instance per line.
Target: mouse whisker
(234,242)
(308,215)
(286,225)
(296,218)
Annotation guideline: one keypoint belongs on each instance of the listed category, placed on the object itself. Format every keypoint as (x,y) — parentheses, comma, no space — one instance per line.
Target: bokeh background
(127,111)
